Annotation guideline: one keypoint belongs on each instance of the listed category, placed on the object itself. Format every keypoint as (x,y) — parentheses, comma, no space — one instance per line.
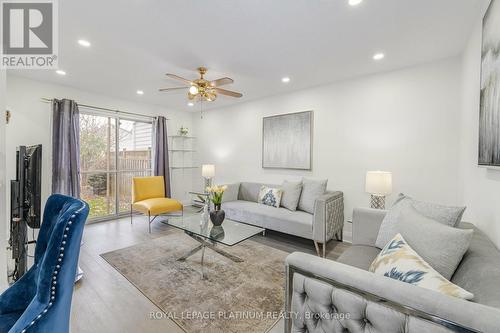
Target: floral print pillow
(270,196)
(399,261)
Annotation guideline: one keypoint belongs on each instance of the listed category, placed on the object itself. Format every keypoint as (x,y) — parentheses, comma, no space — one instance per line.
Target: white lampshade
(208,170)
(378,182)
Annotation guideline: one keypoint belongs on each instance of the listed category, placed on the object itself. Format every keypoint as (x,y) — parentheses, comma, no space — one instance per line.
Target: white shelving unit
(183,163)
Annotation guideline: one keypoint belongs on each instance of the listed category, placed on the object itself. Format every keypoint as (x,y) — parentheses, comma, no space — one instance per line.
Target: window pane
(125,188)
(99,191)
(97,143)
(135,142)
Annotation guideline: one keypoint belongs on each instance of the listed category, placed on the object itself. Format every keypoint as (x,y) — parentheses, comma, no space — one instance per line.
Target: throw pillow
(449,215)
(270,196)
(311,190)
(231,192)
(291,194)
(442,246)
(444,214)
(399,261)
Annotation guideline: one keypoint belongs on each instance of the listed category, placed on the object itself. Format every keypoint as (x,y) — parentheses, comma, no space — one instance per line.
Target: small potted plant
(215,193)
(183,131)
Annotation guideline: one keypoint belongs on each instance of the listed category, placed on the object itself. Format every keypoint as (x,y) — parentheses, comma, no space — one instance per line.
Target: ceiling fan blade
(228,92)
(221,82)
(177,77)
(170,89)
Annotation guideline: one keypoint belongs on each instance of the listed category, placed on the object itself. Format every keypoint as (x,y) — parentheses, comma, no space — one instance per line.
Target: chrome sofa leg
(131,212)
(317,248)
(149,222)
(324,250)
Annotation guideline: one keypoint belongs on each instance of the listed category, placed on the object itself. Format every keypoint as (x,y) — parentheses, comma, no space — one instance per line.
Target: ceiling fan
(202,89)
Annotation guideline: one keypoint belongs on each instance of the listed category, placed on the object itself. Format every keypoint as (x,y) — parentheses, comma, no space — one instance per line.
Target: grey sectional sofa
(322,293)
(240,204)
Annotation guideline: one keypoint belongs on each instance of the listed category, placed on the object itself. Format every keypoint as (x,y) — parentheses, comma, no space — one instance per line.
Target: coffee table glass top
(229,233)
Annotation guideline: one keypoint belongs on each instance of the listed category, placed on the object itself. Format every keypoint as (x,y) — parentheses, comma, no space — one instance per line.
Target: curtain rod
(49,100)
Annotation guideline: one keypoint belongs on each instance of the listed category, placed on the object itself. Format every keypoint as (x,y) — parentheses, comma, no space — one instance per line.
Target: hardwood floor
(105,301)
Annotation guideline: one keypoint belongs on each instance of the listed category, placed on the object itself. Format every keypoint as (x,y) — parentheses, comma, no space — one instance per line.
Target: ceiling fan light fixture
(193,90)
(203,90)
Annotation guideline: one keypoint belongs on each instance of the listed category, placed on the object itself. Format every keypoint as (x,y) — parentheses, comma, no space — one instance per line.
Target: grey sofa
(240,204)
(327,296)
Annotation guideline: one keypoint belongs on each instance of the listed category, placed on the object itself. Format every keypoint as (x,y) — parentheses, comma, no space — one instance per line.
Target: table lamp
(379,185)
(208,172)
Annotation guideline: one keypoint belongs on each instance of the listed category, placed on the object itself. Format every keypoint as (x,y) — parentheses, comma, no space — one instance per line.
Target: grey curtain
(65,148)
(161,162)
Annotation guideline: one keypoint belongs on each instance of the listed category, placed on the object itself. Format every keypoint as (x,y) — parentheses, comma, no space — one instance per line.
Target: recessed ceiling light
(190,104)
(286,79)
(60,72)
(84,42)
(140,92)
(378,56)
(355,2)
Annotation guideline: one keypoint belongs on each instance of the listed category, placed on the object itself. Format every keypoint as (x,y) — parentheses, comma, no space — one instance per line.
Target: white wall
(31,123)
(481,186)
(3,188)
(406,122)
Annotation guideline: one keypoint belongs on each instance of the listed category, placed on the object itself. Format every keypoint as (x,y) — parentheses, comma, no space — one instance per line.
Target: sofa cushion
(291,194)
(399,261)
(311,190)
(479,271)
(231,192)
(279,219)
(250,191)
(270,196)
(359,256)
(439,245)
(447,215)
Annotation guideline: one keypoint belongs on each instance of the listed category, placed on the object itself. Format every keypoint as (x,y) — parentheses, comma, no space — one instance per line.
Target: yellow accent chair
(148,197)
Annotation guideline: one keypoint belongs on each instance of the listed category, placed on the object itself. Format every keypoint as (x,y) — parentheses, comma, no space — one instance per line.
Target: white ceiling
(256,42)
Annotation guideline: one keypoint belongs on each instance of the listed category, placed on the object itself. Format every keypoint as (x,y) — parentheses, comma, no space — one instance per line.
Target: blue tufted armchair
(40,301)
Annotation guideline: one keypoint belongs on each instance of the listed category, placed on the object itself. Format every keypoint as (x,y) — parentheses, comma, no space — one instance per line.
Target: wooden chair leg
(317,248)
(149,222)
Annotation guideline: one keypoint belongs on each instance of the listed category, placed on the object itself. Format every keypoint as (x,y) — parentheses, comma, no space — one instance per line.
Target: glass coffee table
(229,233)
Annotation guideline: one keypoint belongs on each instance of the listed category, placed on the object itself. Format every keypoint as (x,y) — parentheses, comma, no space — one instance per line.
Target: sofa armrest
(328,217)
(365,225)
(363,301)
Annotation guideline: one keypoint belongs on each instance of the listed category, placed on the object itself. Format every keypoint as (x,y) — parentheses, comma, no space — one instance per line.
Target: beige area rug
(235,297)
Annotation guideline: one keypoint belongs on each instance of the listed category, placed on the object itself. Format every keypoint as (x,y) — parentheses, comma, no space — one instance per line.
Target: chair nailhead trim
(52,298)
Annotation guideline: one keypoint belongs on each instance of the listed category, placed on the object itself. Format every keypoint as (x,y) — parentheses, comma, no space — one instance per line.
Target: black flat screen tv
(25,204)
(33,186)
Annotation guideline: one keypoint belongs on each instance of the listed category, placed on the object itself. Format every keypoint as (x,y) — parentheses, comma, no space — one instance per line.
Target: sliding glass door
(113,150)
